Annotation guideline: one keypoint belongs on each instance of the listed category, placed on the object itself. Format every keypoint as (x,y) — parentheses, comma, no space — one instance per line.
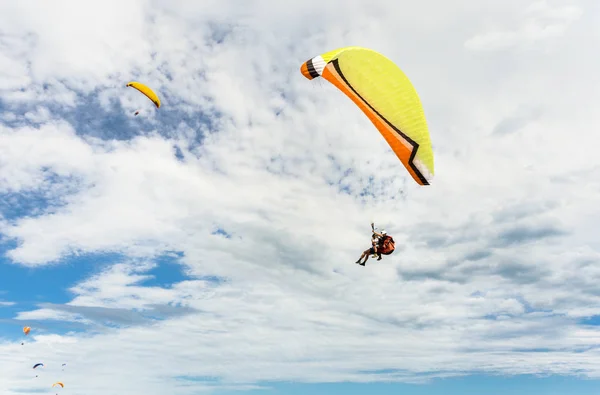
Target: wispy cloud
(540,21)
(517,121)
(254,180)
(102,315)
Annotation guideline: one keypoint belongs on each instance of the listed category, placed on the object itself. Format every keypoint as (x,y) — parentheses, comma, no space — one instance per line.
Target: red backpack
(387,246)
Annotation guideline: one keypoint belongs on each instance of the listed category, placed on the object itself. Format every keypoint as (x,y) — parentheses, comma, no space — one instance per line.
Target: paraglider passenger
(381,243)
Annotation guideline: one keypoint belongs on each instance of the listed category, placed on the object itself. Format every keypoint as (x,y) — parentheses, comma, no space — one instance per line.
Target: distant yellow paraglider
(149,93)
(57,384)
(146,91)
(384,93)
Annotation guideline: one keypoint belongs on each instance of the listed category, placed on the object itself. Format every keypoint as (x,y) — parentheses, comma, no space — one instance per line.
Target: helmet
(383,232)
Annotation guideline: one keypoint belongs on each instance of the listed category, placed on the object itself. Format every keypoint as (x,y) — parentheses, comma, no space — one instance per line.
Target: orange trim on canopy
(402,148)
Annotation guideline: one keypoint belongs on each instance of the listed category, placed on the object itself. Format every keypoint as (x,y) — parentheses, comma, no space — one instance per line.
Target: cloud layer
(261,186)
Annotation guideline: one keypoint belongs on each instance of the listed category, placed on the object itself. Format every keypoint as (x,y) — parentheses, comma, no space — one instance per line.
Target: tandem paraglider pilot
(381,243)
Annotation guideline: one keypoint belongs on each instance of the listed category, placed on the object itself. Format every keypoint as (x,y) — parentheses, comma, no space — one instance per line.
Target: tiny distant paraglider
(58,384)
(26,330)
(37,365)
(146,91)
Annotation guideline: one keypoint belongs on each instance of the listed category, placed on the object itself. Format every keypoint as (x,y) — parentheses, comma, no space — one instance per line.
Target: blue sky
(208,246)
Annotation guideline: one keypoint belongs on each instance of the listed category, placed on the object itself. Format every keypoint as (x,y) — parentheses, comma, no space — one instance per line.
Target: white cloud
(46,314)
(477,251)
(540,21)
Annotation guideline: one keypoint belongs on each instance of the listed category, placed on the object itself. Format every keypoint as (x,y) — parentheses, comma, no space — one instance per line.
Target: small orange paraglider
(58,384)
(26,330)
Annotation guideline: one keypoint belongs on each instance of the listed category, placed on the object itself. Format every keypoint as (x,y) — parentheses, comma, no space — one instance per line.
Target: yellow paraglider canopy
(149,93)
(58,383)
(384,93)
